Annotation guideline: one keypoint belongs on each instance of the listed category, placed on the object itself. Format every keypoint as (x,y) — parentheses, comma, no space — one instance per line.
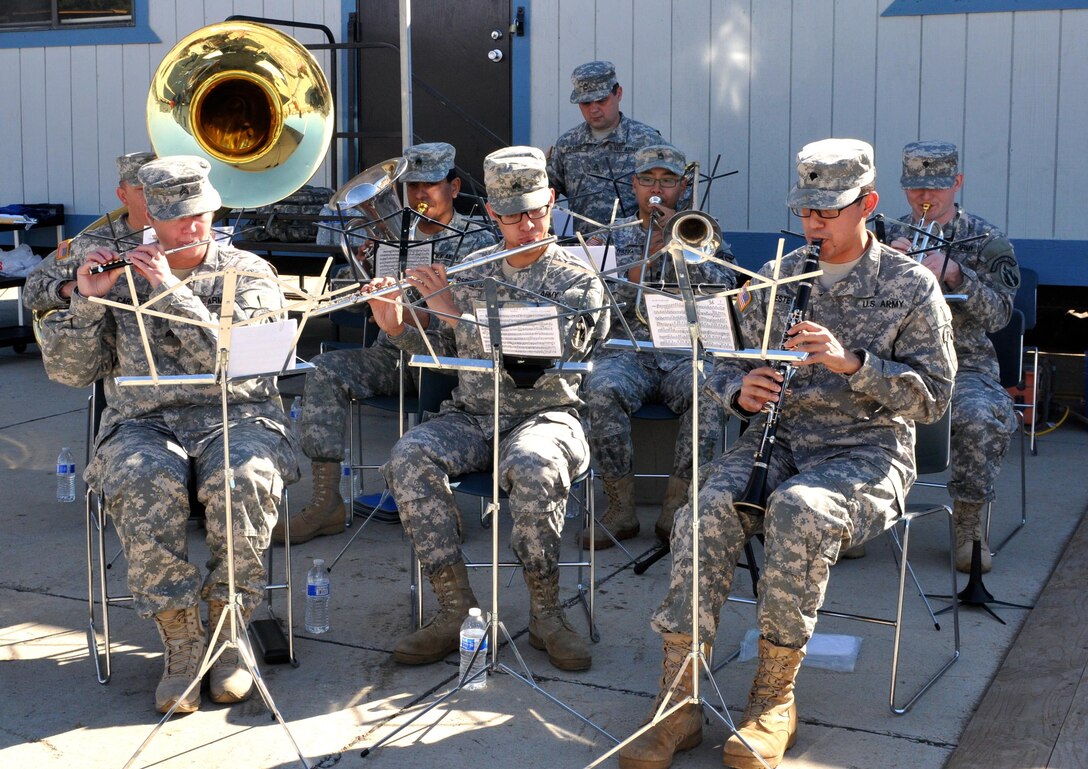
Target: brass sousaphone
(252,101)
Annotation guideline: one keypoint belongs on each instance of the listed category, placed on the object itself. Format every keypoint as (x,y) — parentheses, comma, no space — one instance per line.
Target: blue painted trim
(1058,262)
(935,7)
(139,31)
(520,85)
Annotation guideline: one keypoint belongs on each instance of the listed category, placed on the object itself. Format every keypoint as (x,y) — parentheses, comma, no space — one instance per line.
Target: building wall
(73,109)
(754,80)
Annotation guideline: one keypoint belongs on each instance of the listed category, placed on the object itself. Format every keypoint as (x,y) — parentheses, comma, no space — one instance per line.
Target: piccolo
(123,262)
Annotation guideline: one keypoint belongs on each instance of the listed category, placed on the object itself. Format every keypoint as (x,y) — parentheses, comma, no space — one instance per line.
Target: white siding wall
(754,80)
(72,111)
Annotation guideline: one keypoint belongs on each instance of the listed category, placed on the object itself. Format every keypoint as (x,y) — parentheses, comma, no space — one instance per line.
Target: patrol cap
(178,186)
(516,179)
(831,173)
(592,81)
(663,156)
(431,162)
(929,165)
(129,165)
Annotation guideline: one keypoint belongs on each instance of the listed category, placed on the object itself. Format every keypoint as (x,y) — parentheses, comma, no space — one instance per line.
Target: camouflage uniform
(154,441)
(364,372)
(844,456)
(578,158)
(542,442)
(622,381)
(982,411)
(42,290)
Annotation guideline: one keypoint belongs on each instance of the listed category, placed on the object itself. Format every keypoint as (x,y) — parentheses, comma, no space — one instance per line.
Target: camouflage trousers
(983,421)
(811,516)
(339,376)
(617,387)
(145,478)
(537,461)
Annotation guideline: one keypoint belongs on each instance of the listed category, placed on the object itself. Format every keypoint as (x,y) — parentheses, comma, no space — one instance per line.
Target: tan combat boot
(619,518)
(968,518)
(325,514)
(228,680)
(676,496)
(548,627)
(769,725)
(442,634)
(183,640)
(683,730)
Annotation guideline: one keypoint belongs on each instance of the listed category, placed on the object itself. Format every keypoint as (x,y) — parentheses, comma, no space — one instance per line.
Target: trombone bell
(249,99)
(697,233)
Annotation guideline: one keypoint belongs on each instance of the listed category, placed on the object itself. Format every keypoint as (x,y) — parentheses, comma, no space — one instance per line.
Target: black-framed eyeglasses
(536,214)
(825,213)
(664,182)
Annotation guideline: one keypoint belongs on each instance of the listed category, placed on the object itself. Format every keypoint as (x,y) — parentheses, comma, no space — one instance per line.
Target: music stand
(237,638)
(494,623)
(696,658)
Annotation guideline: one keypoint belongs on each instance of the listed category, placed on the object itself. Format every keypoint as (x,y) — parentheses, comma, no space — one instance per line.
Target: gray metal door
(461,79)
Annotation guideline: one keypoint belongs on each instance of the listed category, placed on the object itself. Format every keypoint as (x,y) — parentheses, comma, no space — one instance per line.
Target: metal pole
(406,130)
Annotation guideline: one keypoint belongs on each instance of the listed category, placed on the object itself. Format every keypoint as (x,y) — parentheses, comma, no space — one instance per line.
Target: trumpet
(923,232)
(422,206)
(754,498)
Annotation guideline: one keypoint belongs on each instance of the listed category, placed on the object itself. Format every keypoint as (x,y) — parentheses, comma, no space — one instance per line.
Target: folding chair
(98,588)
(932,451)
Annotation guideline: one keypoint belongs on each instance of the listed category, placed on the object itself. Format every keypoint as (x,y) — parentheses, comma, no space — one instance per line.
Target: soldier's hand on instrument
(947,270)
(901,244)
(388,310)
(821,346)
(431,281)
(97,283)
(759,386)
(149,260)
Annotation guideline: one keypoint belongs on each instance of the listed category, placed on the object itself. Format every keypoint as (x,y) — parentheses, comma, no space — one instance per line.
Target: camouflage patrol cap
(592,81)
(429,162)
(516,179)
(129,165)
(930,165)
(663,156)
(178,186)
(831,173)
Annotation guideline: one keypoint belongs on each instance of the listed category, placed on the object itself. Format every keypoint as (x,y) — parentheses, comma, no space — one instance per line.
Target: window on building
(65,14)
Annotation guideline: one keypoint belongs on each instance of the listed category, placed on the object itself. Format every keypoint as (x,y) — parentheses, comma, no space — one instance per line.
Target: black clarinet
(754,498)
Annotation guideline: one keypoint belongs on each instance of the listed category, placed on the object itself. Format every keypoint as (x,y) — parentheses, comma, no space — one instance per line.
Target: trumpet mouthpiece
(421,207)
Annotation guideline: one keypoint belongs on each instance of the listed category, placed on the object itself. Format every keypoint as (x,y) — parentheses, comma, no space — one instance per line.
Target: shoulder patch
(63,250)
(744,297)
(998,257)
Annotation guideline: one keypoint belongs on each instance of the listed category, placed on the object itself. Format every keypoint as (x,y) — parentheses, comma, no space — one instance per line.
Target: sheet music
(603,260)
(669,322)
(536,339)
(387,258)
(261,348)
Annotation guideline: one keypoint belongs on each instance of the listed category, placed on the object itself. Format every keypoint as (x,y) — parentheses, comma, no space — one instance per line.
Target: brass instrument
(252,101)
(696,233)
(421,207)
(753,500)
(923,233)
(371,197)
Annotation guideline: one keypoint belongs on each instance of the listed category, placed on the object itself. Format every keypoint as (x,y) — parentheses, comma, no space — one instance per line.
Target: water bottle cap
(319,562)
(474,612)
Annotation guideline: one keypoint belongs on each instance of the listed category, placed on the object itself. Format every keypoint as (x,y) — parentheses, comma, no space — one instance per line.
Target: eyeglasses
(536,214)
(665,183)
(825,213)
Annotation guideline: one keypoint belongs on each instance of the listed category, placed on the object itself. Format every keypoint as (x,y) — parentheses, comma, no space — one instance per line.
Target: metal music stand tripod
(696,658)
(236,637)
(494,623)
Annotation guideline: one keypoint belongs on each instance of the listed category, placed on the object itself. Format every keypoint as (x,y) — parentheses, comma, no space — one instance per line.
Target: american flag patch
(744,297)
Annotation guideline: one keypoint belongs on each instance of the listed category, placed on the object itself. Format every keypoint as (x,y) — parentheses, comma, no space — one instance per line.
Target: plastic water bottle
(346,481)
(473,637)
(317,598)
(296,409)
(66,476)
